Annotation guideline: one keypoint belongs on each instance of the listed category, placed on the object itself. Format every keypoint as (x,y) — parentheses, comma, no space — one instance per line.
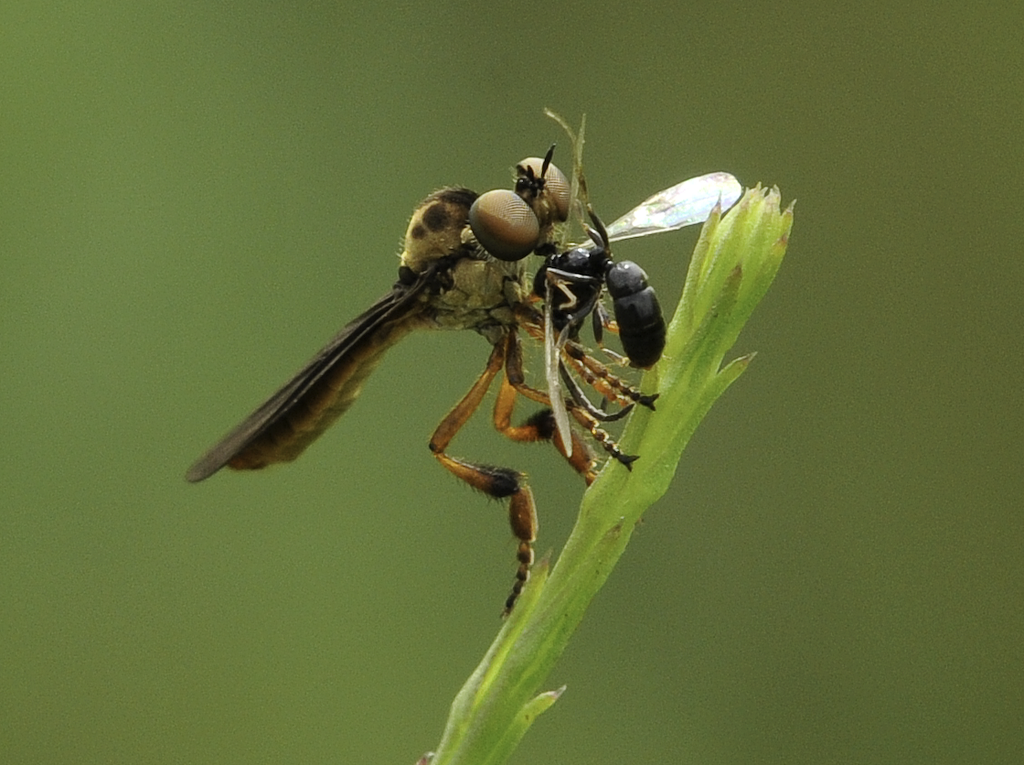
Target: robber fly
(463,266)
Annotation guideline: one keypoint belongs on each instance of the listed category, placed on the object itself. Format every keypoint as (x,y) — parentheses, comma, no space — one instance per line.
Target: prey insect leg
(601,379)
(593,372)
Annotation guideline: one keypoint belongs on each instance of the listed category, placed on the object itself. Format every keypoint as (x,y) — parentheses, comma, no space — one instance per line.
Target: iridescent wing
(681,205)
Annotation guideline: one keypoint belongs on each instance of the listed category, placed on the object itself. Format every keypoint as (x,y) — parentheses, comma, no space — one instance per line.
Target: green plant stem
(734,263)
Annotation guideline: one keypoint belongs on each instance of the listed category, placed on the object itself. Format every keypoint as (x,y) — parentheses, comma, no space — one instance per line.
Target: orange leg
(515,377)
(541,425)
(500,482)
(496,482)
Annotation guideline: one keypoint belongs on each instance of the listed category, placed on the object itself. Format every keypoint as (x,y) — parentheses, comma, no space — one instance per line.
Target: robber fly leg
(540,426)
(497,482)
(588,421)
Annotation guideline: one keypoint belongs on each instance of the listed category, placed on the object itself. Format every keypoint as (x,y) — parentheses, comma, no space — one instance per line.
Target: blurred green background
(196,196)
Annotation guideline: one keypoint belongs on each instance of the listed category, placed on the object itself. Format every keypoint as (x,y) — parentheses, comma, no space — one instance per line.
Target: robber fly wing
(681,205)
(292,418)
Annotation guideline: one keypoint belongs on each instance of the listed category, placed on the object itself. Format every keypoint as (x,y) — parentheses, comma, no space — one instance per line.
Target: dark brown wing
(304,407)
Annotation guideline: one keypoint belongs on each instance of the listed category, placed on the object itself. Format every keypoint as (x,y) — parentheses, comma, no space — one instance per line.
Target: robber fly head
(512,224)
(544,188)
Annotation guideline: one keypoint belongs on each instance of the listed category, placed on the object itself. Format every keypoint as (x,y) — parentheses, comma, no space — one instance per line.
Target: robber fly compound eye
(544,187)
(504,224)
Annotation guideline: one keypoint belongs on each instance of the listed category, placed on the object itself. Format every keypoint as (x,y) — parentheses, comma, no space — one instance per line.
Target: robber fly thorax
(469,288)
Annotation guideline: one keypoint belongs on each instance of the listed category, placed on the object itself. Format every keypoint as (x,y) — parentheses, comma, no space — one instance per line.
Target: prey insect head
(576,276)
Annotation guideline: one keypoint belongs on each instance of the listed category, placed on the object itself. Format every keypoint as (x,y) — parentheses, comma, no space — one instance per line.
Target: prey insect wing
(676,207)
(552,363)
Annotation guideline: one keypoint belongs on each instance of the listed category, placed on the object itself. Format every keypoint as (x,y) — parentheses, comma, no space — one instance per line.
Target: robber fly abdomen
(463,266)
